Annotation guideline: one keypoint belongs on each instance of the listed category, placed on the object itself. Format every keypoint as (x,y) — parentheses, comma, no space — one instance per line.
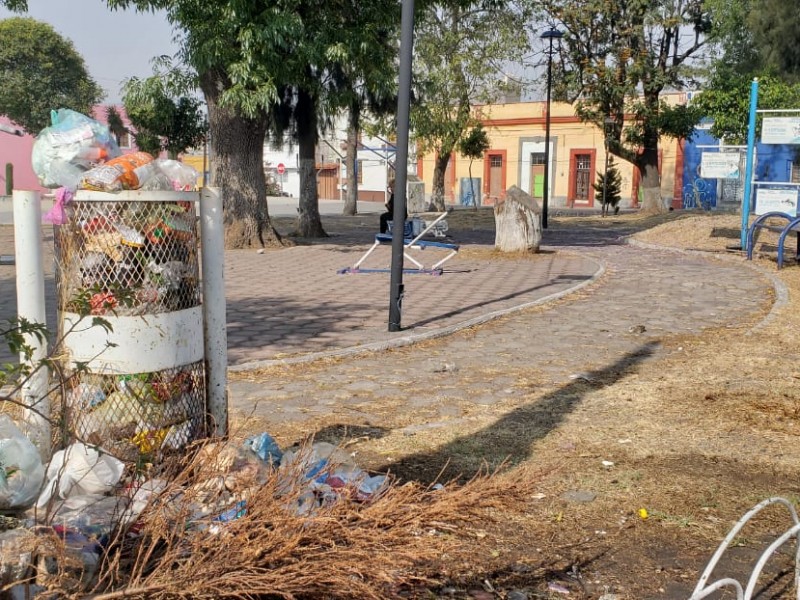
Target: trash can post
(214,320)
(31,307)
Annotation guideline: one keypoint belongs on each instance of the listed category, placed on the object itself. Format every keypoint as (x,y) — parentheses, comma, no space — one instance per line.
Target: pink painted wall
(17,151)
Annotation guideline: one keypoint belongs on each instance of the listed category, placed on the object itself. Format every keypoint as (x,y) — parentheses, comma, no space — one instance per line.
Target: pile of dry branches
(278,545)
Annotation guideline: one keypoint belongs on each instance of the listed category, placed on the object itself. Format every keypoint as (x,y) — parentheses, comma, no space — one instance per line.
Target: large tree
(340,57)
(215,37)
(747,48)
(618,57)
(41,71)
(775,27)
(263,66)
(460,53)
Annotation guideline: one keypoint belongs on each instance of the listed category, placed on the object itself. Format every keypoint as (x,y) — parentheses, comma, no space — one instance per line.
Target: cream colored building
(516,156)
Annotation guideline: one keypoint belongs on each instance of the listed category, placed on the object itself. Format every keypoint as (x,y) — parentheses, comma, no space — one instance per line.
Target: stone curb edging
(781,291)
(408,340)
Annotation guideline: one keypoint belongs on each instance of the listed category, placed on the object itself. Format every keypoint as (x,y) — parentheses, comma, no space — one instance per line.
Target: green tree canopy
(461,50)
(775,27)
(756,39)
(163,117)
(41,71)
(727,103)
(619,56)
(15,5)
(268,67)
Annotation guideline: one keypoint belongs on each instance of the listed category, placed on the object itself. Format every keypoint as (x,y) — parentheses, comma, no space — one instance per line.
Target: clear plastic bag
(70,146)
(21,468)
(182,176)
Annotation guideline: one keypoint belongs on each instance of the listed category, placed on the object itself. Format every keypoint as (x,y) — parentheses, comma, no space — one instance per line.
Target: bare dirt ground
(716,431)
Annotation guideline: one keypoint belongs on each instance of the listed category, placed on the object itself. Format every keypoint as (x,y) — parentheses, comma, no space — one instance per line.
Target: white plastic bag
(70,146)
(80,470)
(21,468)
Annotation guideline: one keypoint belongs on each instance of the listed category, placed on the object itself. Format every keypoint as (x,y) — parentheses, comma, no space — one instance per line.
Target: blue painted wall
(774,163)
(695,191)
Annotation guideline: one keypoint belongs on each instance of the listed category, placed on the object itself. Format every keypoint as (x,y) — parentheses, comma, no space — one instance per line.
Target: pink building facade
(17,151)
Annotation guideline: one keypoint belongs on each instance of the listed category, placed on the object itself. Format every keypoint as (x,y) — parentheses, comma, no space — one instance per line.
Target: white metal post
(212,240)
(31,307)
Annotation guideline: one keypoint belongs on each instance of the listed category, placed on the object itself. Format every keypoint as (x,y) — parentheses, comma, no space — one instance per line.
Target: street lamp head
(552,34)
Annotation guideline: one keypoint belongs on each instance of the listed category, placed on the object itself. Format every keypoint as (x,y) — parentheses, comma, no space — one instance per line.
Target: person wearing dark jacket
(389,214)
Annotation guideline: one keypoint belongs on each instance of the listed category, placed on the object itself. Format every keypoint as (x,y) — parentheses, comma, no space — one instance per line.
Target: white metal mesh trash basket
(131,259)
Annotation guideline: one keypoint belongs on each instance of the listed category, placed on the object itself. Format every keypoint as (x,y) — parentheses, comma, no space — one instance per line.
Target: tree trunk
(237,168)
(472,186)
(647,162)
(309,224)
(351,199)
(437,193)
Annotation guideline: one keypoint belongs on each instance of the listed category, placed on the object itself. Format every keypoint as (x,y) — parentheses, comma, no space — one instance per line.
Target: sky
(115,45)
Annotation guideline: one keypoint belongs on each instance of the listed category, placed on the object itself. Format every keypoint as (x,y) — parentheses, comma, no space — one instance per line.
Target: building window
(496,160)
(125,140)
(360,171)
(537,158)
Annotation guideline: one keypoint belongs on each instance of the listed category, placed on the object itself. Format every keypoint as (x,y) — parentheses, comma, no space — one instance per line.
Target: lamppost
(550,35)
(396,288)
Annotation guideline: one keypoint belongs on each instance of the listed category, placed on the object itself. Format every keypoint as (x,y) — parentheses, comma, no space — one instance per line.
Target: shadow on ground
(509,439)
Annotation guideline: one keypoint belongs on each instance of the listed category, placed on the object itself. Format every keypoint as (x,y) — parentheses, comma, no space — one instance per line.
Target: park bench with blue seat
(413,240)
(766,221)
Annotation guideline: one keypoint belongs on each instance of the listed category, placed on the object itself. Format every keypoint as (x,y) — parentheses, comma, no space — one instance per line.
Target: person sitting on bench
(389,214)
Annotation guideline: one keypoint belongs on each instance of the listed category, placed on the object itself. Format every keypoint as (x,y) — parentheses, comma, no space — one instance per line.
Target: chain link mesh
(131,258)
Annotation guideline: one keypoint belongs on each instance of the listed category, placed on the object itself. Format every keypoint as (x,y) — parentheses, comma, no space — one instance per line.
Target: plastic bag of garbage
(316,461)
(126,172)
(70,146)
(21,468)
(265,447)
(182,176)
(80,470)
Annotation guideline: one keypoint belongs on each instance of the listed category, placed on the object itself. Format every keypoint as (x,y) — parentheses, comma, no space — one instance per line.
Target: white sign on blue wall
(719,165)
(776,200)
(780,130)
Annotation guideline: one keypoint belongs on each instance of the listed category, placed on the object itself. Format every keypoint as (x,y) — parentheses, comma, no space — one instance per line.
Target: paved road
(291,302)
(596,332)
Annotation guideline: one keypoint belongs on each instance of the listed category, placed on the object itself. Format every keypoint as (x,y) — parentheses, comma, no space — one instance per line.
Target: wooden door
(583,179)
(495,176)
(326,184)
(449,180)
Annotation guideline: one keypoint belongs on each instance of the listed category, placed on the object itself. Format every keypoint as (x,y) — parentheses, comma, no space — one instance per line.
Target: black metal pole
(546,190)
(605,173)
(401,165)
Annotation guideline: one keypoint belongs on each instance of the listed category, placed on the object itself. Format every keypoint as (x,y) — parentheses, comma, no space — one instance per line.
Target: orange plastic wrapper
(126,172)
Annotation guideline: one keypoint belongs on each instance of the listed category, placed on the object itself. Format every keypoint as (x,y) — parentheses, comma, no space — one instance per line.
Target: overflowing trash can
(131,321)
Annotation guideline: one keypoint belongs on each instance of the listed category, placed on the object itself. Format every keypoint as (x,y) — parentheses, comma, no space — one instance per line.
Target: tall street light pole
(550,35)
(401,165)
